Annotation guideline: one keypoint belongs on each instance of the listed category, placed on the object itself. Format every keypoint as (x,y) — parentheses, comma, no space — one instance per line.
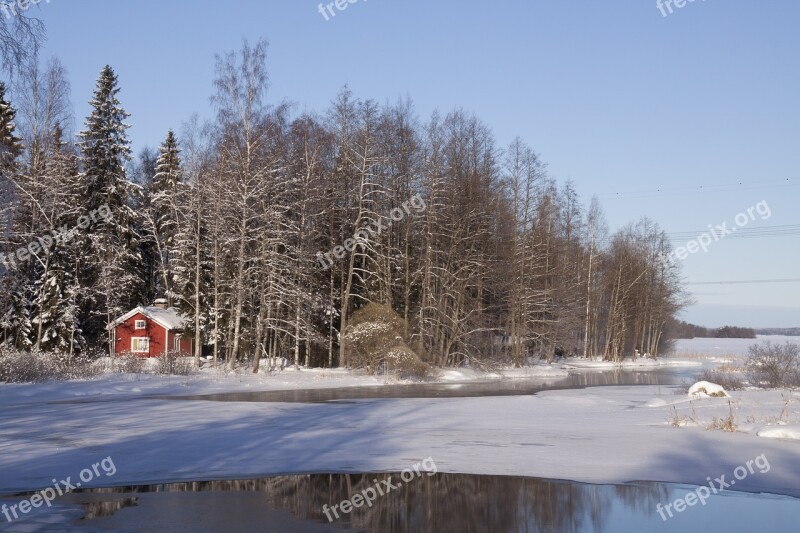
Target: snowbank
(705,389)
(781,432)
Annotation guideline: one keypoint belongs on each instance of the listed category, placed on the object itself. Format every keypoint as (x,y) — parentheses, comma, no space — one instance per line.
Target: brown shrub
(374,339)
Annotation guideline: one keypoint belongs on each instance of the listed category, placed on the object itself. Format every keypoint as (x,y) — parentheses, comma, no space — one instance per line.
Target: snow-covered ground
(598,435)
(209,381)
(206,381)
(613,434)
(601,435)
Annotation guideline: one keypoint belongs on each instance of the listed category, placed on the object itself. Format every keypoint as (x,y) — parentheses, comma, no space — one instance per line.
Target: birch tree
(241,85)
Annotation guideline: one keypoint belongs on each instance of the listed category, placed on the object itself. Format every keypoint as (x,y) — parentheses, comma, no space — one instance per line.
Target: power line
(743,282)
(699,189)
(790,230)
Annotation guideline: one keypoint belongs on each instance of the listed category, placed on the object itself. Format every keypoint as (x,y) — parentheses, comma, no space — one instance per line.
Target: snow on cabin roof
(170,318)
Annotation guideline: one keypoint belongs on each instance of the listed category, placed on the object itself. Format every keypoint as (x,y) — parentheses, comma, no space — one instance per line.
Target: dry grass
(729,368)
(724,424)
(727,423)
(703,355)
(784,416)
(678,421)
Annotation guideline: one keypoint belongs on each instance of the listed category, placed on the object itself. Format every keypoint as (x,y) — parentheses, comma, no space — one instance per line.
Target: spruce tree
(113,262)
(10,144)
(164,213)
(15,291)
(142,174)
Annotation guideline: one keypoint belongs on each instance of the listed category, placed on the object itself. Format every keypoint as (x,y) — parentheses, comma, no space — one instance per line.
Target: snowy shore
(596,435)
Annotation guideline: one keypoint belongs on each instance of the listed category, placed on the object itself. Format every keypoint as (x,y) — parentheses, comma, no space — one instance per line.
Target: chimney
(161,303)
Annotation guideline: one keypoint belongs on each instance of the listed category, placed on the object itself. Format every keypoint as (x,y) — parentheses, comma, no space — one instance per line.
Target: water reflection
(442,502)
(505,387)
(106,507)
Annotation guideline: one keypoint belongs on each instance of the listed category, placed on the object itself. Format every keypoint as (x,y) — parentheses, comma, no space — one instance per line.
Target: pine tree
(164,212)
(15,321)
(10,144)
(142,173)
(114,259)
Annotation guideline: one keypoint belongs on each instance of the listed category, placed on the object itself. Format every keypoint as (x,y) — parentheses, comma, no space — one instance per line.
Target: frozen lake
(725,347)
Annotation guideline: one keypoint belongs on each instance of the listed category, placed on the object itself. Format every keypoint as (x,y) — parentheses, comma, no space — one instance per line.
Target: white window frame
(144,341)
(140,324)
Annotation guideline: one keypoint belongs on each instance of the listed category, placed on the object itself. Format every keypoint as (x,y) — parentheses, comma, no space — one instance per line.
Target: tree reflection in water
(101,509)
(442,502)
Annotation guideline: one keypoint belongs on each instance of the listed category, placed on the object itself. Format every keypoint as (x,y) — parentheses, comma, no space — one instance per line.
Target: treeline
(733,332)
(475,247)
(789,332)
(684,330)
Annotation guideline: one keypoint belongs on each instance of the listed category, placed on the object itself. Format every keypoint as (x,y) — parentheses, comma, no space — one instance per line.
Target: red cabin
(150,332)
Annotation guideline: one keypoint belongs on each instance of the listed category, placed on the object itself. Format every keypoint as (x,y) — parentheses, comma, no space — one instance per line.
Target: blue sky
(689,119)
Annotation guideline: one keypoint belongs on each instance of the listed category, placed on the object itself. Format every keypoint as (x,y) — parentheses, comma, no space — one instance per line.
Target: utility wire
(699,189)
(743,282)
(791,230)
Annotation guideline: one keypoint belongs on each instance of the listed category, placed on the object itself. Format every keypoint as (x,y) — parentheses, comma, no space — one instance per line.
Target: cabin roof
(170,318)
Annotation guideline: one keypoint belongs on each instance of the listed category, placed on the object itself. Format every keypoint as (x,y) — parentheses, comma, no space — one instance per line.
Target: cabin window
(140,324)
(140,345)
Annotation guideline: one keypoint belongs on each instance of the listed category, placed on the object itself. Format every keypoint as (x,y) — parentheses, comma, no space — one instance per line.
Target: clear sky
(689,118)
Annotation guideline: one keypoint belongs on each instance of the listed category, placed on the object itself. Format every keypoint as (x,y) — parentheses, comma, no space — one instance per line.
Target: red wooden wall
(126,331)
